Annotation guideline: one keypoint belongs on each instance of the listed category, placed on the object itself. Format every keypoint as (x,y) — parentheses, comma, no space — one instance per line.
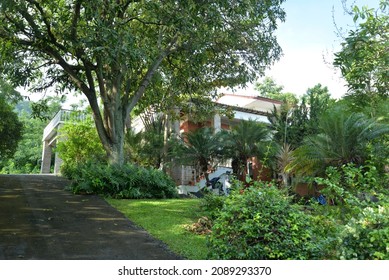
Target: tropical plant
(132,143)
(284,156)
(246,140)
(342,139)
(293,122)
(147,147)
(200,148)
(153,146)
(127,181)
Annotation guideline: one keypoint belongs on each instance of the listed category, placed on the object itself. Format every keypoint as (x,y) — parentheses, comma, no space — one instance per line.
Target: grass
(166,221)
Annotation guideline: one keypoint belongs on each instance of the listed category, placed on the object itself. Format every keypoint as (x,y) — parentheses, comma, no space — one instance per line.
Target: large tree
(116,51)
(364,57)
(293,123)
(269,88)
(10,126)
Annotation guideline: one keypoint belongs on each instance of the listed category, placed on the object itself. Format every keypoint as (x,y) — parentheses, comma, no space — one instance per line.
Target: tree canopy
(294,122)
(269,88)
(10,126)
(364,57)
(119,51)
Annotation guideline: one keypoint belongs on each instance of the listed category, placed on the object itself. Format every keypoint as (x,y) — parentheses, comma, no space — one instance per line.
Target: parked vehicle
(220,185)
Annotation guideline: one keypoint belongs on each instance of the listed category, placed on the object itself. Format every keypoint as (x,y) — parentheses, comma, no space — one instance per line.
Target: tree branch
(149,74)
(50,34)
(76,16)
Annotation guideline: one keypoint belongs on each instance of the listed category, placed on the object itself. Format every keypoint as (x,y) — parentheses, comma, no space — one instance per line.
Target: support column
(46,158)
(217,123)
(57,160)
(57,164)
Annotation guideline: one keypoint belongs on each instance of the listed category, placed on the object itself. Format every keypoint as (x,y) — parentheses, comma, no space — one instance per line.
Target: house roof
(250,104)
(241,109)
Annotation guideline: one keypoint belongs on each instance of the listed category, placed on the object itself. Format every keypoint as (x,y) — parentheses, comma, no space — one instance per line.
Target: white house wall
(250,116)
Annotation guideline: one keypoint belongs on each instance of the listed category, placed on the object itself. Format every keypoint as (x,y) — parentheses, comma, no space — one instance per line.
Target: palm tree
(342,139)
(147,147)
(200,148)
(244,141)
(284,156)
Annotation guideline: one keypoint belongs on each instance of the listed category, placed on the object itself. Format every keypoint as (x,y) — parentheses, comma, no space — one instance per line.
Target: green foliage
(8,92)
(126,181)
(261,223)
(342,138)
(147,147)
(293,122)
(351,185)
(211,204)
(124,52)
(10,130)
(366,236)
(246,140)
(200,148)
(364,58)
(27,157)
(361,212)
(268,88)
(78,143)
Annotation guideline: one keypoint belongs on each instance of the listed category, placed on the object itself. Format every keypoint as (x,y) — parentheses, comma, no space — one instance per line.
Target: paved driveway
(40,220)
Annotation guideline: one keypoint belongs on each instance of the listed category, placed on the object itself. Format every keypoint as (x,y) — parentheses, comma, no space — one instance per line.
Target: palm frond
(343,138)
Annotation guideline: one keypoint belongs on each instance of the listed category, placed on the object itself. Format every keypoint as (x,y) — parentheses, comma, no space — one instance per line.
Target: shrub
(127,181)
(361,212)
(348,183)
(366,237)
(261,223)
(211,204)
(79,144)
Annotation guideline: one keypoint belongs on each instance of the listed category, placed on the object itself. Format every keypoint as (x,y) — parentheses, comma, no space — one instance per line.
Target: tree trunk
(115,152)
(117,105)
(110,128)
(116,127)
(285,179)
(165,142)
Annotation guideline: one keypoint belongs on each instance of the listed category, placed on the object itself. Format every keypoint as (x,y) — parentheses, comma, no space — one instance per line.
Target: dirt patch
(39,219)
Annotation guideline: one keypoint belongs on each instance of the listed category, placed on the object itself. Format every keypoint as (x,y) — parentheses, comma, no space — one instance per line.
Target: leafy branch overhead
(119,51)
(364,57)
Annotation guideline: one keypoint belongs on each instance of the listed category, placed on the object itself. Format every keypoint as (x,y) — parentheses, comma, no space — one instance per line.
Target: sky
(308,39)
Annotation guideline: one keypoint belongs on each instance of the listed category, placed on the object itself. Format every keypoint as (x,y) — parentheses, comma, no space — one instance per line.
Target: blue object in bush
(322,200)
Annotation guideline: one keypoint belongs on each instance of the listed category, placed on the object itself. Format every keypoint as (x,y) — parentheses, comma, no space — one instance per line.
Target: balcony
(61,117)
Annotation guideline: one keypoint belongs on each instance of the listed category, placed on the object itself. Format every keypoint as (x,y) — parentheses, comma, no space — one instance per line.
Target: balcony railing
(62,116)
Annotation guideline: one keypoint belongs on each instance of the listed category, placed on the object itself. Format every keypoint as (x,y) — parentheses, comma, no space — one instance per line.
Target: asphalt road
(40,220)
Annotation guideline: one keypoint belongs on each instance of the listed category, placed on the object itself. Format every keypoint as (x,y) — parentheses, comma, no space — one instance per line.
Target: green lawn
(166,221)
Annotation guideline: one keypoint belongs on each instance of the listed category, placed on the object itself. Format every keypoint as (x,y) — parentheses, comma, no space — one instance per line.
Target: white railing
(62,116)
